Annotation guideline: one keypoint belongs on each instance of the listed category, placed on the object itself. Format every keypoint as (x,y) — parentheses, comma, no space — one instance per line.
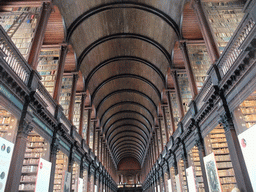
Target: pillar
(171,111)
(59,75)
(191,78)
(178,94)
(39,35)
(209,39)
(72,98)
(81,120)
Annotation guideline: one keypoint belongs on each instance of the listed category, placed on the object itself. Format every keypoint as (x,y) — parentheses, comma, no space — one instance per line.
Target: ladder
(16,24)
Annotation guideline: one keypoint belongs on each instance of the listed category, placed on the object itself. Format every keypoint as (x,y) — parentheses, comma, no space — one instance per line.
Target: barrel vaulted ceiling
(124,50)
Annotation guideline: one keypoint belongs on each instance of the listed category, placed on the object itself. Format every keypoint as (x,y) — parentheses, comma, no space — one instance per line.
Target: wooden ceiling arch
(124,51)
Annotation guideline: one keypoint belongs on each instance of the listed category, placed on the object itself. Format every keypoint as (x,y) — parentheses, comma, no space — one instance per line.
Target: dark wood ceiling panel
(54,33)
(125,47)
(190,26)
(123,21)
(122,69)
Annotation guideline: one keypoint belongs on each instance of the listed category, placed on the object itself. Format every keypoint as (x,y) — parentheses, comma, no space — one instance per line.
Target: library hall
(127,95)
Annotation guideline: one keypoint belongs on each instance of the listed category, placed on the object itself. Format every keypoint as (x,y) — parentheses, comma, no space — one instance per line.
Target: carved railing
(12,57)
(233,49)
(43,93)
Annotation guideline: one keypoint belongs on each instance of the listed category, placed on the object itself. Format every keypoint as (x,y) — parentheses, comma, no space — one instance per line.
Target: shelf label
(43,175)
(212,173)
(248,143)
(191,179)
(5,161)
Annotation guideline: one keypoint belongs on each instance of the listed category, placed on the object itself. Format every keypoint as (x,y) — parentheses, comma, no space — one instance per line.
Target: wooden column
(201,150)
(81,120)
(154,148)
(178,94)
(72,97)
(39,35)
(161,135)
(24,128)
(191,78)
(209,39)
(88,127)
(93,137)
(166,126)
(157,146)
(14,175)
(241,174)
(98,144)
(171,112)
(60,71)
(53,153)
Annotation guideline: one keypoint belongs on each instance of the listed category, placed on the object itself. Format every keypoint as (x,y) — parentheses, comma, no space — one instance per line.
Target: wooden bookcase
(66,94)
(24,29)
(175,109)
(224,18)
(194,161)
(216,142)
(200,63)
(185,91)
(47,68)
(36,148)
(60,169)
(76,116)
(8,125)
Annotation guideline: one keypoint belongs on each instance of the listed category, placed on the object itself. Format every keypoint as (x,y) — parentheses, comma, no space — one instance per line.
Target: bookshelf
(168,120)
(36,148)
(85,124)
(182,174)
(75,176)
(76,116)
(248,110)
(85,178)
(185,91)
(163,131)
(224,18)
(194,160)
(175,109)
(8,125)
(200,63)
(172,175)
(47,68)
(65,94)
(24,29)
(60,169)
(216,142)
